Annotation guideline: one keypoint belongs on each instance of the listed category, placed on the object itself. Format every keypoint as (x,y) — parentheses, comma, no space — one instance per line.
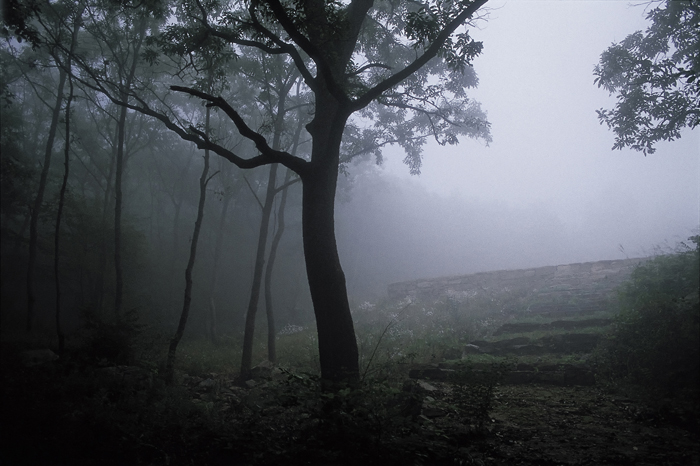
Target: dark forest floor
(64,413)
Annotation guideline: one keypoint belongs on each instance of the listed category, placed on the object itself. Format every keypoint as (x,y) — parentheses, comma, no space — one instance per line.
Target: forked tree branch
(432,51)
(295,164)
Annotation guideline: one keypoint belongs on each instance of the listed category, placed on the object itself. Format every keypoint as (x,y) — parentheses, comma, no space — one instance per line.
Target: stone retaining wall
(580,286)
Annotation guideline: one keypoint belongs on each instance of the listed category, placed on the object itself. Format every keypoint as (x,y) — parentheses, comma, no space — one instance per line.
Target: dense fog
(546,190)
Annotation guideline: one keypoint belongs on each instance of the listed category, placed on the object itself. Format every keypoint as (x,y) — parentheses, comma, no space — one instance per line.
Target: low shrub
(655,339)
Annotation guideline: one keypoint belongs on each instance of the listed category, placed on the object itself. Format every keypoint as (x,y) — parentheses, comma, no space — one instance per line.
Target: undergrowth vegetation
(655,341)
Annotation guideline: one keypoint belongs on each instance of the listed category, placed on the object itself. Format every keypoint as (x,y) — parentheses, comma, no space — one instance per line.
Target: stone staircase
(559,357)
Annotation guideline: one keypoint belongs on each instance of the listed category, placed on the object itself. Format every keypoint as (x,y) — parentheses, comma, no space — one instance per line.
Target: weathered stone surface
(426,386)
(571,342)
(430,372)
(527,350)
(470,349)
(549,289)
(525,327)
(519,327)
(511,342)
(432,412)
(263,370)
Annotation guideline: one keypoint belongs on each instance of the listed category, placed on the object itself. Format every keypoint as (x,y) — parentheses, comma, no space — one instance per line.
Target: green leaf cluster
(655,76)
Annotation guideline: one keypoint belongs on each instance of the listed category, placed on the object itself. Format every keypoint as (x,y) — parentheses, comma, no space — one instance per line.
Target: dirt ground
(550,425)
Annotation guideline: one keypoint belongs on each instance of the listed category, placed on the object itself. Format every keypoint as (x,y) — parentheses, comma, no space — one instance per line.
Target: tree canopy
(370,73)
(655,75)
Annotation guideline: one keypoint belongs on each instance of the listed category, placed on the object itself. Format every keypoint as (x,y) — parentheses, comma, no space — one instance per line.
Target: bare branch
(253,192)
(266,152)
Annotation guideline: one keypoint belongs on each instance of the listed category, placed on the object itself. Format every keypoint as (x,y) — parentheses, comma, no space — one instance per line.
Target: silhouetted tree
(402,66)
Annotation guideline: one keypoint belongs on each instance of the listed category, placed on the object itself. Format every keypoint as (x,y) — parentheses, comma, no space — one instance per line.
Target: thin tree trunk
(118,193)
(249,332)
(269,309)
(212,326)
(118,199)
(169,366)
(248,335)
(38,201)
(102,264)
(61,202)
(64,184)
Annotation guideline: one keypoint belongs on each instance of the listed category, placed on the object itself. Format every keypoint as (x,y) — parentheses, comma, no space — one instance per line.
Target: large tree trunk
(38,201)
(337,346)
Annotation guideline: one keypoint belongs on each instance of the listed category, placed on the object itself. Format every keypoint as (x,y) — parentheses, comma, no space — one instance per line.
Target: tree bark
(61,202)
(248,336)
(212,326)
(269,309)
(175,341)
(337,346)
(118,194)
(38,201)
(249,332)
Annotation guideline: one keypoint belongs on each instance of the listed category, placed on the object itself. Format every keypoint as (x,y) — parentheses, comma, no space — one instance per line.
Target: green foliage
(655,75)
(656,338)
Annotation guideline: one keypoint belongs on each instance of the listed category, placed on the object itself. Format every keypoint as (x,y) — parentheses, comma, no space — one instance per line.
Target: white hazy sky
(549,150)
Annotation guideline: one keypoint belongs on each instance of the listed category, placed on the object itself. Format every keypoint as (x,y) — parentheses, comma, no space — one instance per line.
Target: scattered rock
(207,384)
(432,412)
(263,370)
(430,372)
(36,357)
(137,377)
(426,386)
(470,349)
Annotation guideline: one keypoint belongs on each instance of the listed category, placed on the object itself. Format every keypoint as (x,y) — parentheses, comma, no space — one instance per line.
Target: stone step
(516,374)
(526,327)
(566,343)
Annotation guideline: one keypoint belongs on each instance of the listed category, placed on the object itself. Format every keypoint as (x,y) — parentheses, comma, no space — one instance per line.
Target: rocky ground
(547,409)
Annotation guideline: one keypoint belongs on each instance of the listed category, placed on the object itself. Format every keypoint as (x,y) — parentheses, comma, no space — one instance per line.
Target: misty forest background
(174,176)
(134,183)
